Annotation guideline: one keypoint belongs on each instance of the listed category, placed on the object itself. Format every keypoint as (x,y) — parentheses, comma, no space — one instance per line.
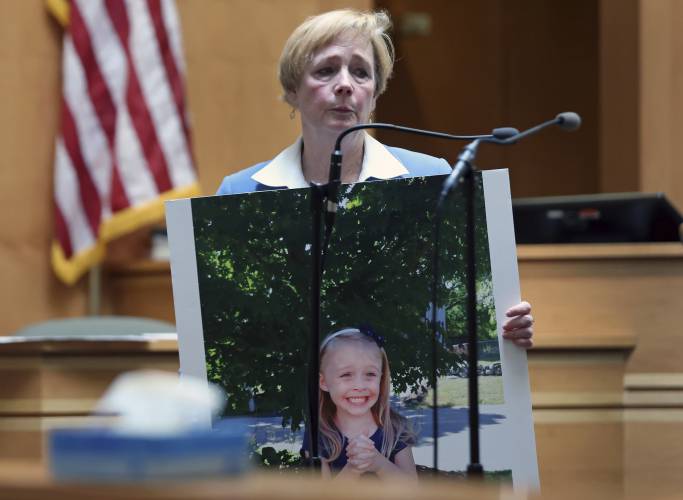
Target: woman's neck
(355,425)
(315,158)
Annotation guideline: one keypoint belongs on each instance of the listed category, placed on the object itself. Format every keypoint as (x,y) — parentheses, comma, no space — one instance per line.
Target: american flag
(124,143)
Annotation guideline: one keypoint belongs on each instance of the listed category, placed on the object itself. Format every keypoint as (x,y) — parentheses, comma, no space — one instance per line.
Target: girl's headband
(366,330)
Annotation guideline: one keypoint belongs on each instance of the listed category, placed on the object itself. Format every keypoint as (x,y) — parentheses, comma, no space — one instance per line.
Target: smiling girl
(359,431)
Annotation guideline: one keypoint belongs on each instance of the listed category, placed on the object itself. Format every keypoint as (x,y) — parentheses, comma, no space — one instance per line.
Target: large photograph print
(242,274)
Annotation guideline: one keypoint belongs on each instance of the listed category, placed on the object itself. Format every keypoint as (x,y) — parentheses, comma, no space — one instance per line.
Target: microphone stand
(324,198)
(463,171)
(312,427)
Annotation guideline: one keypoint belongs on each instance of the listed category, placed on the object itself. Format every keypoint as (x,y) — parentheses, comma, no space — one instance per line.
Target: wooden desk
(608,293)
(606,375)
(30,481)
(57,383)
(53,384)
(605,296)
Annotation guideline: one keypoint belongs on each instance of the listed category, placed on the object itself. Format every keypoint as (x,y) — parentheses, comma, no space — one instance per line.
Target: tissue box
(87,455)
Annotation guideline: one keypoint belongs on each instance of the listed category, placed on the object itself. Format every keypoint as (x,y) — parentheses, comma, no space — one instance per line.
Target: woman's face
(351,373)
(338,86)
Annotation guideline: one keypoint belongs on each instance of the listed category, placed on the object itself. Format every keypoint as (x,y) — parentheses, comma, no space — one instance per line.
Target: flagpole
(95,290)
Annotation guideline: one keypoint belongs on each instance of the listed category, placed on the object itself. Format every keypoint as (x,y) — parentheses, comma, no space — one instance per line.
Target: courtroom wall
(480,64)
(492,63)
(231,48)
(30,51)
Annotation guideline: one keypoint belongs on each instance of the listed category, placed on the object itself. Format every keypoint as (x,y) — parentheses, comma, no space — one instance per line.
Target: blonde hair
(318,31)
(395,426)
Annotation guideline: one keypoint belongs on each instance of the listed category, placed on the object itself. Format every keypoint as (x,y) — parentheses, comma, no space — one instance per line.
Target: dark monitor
(597,218)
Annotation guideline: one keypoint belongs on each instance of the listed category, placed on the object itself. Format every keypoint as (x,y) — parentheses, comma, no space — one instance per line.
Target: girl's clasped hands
(363,456)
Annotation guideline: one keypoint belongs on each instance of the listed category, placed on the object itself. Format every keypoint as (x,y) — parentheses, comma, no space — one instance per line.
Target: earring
(292,114)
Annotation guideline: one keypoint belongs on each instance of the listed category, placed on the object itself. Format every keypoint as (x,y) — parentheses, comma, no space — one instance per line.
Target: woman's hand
(520,326)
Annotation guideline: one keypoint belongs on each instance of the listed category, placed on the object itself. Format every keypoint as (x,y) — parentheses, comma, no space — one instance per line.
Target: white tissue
(160,403)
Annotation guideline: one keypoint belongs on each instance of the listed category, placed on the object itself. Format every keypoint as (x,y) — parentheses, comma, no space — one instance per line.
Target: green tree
(253,260)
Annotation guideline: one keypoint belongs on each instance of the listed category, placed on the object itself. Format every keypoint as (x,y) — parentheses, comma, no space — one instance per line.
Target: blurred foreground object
(159,434)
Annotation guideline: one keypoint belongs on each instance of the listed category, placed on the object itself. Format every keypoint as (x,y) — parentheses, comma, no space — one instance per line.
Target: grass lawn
(453,391)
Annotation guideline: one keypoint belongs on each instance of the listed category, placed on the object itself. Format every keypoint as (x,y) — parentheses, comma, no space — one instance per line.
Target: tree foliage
(254,265)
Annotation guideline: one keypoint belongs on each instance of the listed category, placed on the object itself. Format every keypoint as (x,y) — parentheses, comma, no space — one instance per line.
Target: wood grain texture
(619,87)
(70,379)
(610,298)
(231,49)
(494,63)
(661,100)
(29,98)
(653,457)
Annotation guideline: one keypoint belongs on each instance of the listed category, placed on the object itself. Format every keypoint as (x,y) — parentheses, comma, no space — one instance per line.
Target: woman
(332,70)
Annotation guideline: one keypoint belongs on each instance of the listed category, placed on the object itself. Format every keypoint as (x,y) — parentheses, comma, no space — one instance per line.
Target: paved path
(454,451)
(453,437)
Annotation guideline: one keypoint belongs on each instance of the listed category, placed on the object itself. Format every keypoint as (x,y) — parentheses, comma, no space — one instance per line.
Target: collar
(285,169)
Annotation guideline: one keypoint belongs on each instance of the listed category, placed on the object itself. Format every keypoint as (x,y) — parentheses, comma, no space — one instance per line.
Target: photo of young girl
(360,433)
(248,330)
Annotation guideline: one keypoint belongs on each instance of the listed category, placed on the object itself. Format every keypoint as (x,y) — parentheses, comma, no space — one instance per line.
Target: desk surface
(600,251)
(27,480)
(143,344)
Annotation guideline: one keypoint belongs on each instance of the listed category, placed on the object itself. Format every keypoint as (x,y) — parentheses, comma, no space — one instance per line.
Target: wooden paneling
(587,378)
(653,457)
(58,383)
(610,292)
(231,48)
(28,483)
(552,63)
(21,438)
(619,132)
(448,79)
(579,447)
(30,47)
(661,98)
(493,63)
(130,288)
(66,384)
(577,397)
(584,433)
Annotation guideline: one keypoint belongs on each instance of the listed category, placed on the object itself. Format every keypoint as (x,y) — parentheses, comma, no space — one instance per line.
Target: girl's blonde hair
(395,427)
(317,31)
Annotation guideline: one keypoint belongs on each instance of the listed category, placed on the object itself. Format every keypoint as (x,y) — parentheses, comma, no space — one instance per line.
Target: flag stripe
(172,24)
(70,202)
(62,232)
(87,190)
(137,107)
(135,174)
(97,87)
(158,93)
(100,95)
(95,151)
(132,182)
(169,63)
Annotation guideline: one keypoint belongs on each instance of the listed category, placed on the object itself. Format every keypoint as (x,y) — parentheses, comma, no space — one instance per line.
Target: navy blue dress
(340,462)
